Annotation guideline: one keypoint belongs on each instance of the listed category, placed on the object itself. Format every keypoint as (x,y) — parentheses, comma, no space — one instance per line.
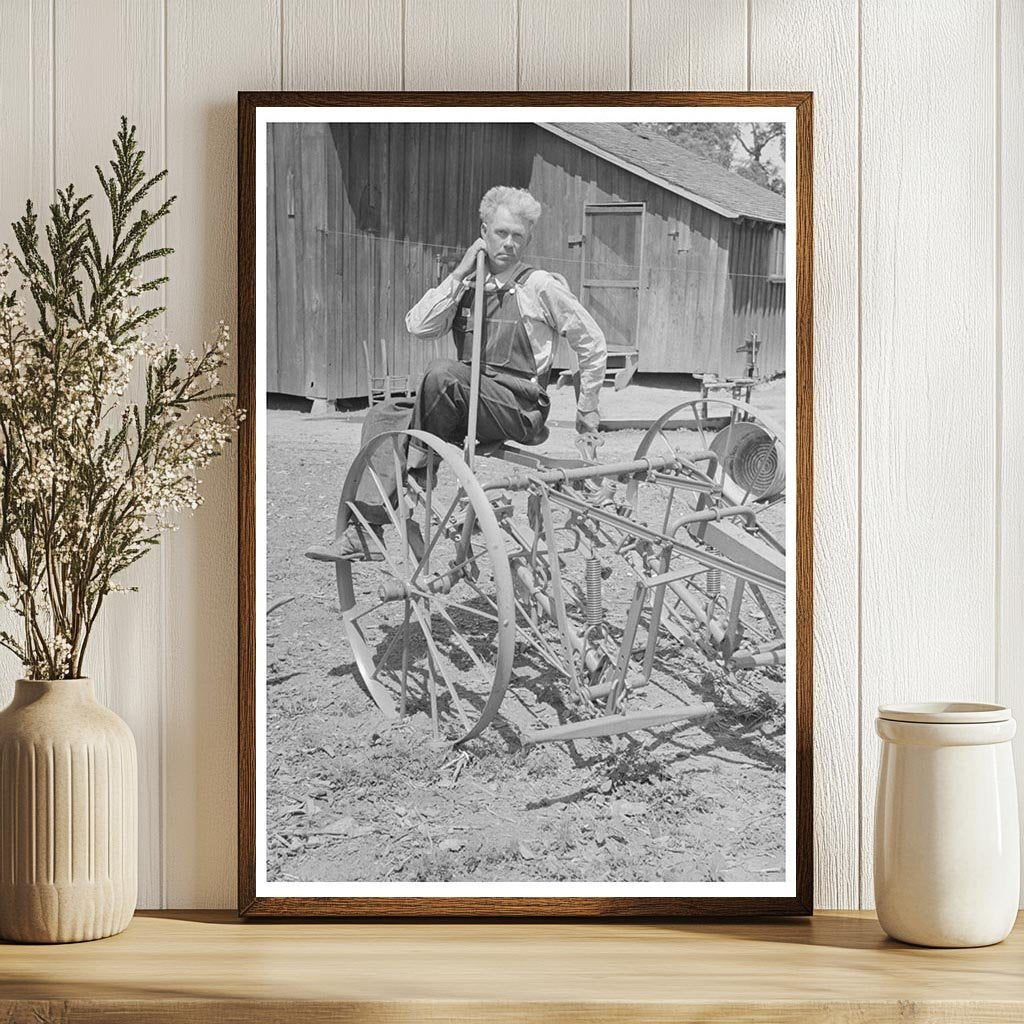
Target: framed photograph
(525,504)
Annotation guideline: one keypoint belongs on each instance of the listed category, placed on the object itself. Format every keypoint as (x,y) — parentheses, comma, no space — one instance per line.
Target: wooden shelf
(209,966)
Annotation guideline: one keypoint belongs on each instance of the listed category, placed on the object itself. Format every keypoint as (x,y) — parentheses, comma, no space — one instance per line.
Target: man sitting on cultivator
(526,309)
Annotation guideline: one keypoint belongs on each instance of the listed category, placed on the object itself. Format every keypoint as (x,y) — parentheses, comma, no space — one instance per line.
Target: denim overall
(506,348)
(513,403)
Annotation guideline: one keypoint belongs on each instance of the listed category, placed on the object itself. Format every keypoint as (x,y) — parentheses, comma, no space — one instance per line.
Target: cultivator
(607,590)
(482,568)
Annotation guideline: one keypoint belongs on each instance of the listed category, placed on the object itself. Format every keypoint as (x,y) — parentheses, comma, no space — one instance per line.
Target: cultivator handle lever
(474,372)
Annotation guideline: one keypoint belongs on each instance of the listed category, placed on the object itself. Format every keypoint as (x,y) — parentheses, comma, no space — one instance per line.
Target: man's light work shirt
(548,310)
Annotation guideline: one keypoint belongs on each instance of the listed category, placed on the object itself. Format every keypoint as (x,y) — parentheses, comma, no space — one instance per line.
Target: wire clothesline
(369,236)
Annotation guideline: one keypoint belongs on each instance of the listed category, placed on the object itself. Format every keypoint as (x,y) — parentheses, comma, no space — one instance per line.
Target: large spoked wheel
(431,621)
(725,498)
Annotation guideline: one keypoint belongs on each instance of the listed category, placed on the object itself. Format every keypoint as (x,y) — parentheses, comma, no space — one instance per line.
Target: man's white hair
(517,201)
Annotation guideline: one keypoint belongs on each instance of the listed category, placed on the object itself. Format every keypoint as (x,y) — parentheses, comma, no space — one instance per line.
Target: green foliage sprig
(89,477)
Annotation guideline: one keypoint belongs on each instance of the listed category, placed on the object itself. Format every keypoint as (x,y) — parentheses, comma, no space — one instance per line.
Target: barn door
(612,267)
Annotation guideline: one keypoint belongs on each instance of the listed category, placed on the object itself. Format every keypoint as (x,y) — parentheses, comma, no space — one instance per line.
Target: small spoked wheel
(722,442)
(431,617)
(725,499)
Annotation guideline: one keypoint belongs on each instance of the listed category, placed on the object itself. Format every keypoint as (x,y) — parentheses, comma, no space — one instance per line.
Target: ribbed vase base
(68,815)
(67,913)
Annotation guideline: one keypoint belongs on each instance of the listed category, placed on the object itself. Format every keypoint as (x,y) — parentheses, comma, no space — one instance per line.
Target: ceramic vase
(68,815)
(947,847)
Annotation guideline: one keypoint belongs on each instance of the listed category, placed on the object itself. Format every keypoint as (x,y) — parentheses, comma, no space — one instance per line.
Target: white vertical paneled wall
(928,347)
(1008,258)
(128,81)
(468,45)
(213,51)
(832,73)
(27,155)
(919,317)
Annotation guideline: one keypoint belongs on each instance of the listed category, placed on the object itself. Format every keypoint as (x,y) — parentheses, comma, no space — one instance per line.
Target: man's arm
(586,339)
(432,316)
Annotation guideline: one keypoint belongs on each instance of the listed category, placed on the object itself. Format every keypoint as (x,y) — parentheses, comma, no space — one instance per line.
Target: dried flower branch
(89,478)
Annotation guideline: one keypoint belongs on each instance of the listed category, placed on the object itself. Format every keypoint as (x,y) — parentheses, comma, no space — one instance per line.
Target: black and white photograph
(525,566)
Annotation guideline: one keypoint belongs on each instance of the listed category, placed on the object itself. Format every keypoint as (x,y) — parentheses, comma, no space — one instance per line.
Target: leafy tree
(738,146)
(758,167)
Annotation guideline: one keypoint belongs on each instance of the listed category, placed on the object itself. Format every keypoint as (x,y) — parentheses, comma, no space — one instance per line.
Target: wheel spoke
(435,657)
(382,660)
(443,601)
(535,635)
(670,448)
(367,611)
(425,560)
(373,535)
(428,519)
(464,643)
(404,690)
(435,572)
(385,499)
(403,505)
(484,597)
(700,421)
(727,448)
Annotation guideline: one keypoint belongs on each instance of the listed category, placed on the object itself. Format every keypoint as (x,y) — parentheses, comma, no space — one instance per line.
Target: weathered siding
(297,255)
(356,245)
(389,245)
(693,313)
(756,303)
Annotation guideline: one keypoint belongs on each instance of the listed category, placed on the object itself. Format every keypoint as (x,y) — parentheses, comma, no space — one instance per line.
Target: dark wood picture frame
(617,907)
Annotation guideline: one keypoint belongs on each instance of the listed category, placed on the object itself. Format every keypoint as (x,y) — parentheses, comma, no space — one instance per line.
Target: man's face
(506,236)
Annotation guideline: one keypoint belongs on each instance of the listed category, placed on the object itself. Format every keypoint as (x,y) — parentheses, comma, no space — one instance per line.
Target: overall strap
(519,277)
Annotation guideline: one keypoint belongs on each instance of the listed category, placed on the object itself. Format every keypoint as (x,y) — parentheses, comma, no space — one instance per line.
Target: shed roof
(677,169)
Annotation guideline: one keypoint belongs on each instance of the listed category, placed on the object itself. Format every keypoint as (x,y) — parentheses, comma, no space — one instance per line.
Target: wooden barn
(678,259)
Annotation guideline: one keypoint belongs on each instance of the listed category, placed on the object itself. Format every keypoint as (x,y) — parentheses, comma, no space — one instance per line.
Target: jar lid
(944,713)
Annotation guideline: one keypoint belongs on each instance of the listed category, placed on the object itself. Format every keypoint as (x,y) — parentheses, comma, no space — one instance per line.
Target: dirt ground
(353,796)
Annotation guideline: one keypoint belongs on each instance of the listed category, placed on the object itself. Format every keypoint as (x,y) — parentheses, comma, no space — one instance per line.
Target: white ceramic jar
(947,847)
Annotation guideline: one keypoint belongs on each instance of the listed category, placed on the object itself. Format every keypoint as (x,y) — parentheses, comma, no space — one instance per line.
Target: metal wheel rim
(493,542)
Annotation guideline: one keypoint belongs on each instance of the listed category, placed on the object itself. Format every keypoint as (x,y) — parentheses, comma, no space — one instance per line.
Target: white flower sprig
(88,477)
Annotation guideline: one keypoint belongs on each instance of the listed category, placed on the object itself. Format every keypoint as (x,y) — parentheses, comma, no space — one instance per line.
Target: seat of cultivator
(495,447)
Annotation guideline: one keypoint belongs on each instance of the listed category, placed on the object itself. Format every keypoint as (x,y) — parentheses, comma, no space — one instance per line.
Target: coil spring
(595,613)
(714,583)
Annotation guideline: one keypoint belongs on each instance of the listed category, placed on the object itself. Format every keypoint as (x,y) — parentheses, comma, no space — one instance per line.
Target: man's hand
(468,262)
(587,422)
